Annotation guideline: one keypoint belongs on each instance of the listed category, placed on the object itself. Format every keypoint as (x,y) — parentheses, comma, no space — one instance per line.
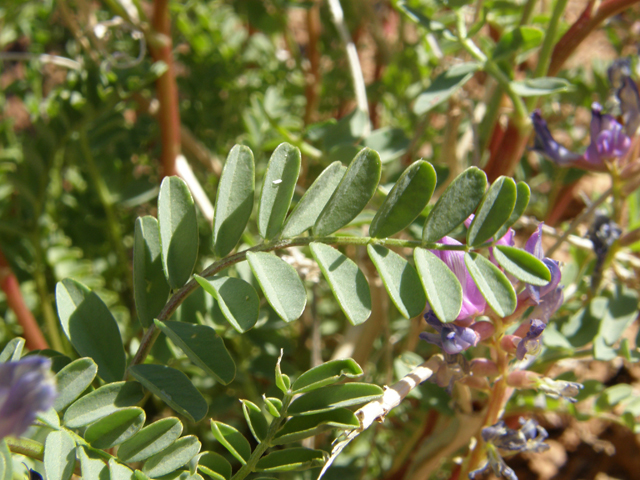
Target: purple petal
(630,105)
(607,137)
(547,146)
(534,244)
(530,344)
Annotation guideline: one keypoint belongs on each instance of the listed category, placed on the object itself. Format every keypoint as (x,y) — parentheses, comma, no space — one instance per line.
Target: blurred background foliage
(80,143)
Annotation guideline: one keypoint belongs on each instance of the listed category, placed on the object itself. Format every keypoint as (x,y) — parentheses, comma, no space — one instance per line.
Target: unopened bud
(523,379)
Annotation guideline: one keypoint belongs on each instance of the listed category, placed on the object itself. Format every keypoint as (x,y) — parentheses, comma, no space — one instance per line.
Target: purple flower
(26,388)
(473,303)
(530,344)
(608,141)
(528,438)
(548,297)
(627,93)
(450,337)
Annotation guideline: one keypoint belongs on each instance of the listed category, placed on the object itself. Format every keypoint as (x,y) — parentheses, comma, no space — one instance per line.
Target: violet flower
(473,303)
(530,344)
(26,388)
(450,337)
(608,141)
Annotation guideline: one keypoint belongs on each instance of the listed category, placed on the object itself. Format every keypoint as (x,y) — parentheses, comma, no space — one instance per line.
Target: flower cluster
(610,140)
(529,437)
(26,388)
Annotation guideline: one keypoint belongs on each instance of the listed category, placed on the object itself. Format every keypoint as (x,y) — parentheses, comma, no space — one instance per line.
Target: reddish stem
(504,158)
(313,54)
(10,286)
(166,88)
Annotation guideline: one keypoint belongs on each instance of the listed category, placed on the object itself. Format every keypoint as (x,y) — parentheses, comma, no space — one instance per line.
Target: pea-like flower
(559,388)
(530,344)
(451,338)
(608,141)
(27,387)
(473,303)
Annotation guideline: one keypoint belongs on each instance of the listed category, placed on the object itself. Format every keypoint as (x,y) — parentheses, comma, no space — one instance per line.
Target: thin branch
(354,62)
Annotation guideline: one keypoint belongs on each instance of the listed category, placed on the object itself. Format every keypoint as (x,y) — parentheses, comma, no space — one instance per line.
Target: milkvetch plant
(255,316)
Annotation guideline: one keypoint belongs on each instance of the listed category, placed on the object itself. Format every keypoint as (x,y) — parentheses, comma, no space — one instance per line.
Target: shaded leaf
(204,348)
(72,380)
(102,402)
(334,396)
(234,199)
(347,282)
(291,459)
(522,38)
(150,440)
(326,374)
(494,210)
(150,286)
(306,212)
(6,462)
(534,87)
(236,298)
(115,428)
(12,350)
(352,194)
(408,197)
(59,455)
(280,284)
(173,457)
(255,419)
(389,142)
(178,225)
(232,440)
(494,286)
(215,466)
(91,328)
(277,189)
(522,200)
(305,426)
(400,280)
(173,387)
(442,288)
(458,201)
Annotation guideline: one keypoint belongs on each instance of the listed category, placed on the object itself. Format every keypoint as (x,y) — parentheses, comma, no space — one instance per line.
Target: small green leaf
(255,419)
(115,428)
(522,200)
(445,85)
(347,282)
(150,287)
(72,380)
(59,455)
(400,279)
(117,471)
(178,225)
(458,201)
(173,387)
(173,457)
(12,350)
(232,440)
(102,402)
(352,194)
(334,396)
(306,212)
(291,459)
(234,199)
(282,381)
(522,265)
(326,374)
(408,197)
(494,286)
(277,189)
(280,284)
(215,466)
(6,462)
(91,328)
(535,87)
(520,38)
(150,440)
(441,285)
(622,310)
(237,300)
(273,405)
(204,348)
(494,210)
(305,426)
(92,465)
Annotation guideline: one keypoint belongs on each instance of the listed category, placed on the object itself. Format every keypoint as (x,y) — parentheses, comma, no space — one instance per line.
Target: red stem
(166,88)
(10,286)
